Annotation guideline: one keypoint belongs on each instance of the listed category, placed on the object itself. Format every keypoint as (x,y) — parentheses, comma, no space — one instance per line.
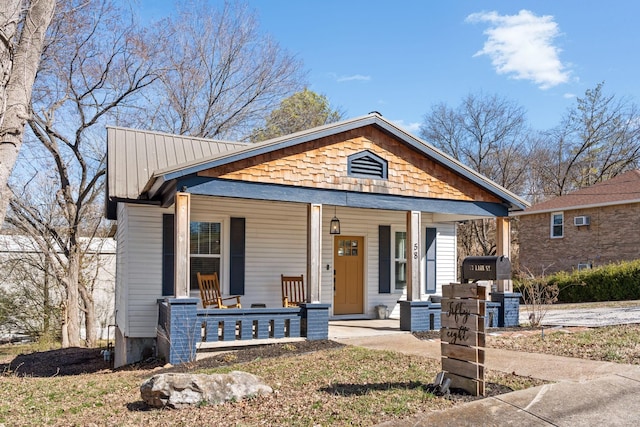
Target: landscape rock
(178,390)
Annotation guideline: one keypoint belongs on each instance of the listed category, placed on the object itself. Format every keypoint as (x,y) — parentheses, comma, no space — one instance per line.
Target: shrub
(612,282)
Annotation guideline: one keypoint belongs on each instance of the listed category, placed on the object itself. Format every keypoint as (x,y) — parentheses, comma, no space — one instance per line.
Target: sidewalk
(585,392)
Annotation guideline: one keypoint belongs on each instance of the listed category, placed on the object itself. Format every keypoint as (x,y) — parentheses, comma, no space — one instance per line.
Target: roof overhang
(162,182)
(573,208)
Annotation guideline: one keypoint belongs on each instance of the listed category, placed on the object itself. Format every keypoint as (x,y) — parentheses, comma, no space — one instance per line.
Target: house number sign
(462,336)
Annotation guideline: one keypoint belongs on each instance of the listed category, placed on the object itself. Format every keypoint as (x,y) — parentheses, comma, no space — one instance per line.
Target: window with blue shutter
(237,251)
(168,254)
(384,259)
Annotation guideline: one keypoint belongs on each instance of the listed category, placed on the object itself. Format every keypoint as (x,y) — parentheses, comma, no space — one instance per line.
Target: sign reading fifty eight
(462,335)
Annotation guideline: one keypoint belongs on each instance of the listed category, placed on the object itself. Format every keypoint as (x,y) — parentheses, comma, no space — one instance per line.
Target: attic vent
(367,165)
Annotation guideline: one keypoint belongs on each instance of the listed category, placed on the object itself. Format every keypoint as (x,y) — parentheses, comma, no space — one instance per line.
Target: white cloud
(409,127)
(569,95)
(521,46)
(355,77)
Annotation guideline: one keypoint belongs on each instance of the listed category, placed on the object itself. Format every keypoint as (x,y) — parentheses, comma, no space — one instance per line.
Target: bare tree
(23,24)
(487,133)
(490,135)
(221,75)
(93,67)
(597,139)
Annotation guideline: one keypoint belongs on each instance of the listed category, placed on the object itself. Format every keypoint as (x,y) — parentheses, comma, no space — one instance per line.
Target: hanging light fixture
(334,228)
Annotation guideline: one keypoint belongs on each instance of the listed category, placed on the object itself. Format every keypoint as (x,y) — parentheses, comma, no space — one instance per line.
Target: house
(251,212)
(593,226)
(22,277)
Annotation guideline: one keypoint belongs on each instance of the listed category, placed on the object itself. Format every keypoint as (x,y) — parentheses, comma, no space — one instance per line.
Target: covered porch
(251,213)
(317,253)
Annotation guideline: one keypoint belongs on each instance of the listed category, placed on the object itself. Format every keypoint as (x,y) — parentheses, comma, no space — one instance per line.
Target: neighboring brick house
(593,226)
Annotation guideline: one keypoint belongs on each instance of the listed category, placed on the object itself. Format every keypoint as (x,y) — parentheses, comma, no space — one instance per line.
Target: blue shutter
(384,259)
(430,269)
(237,254)
(168,254)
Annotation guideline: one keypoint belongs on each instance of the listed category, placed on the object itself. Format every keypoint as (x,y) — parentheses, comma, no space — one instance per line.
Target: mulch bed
(78,360)
(60,362)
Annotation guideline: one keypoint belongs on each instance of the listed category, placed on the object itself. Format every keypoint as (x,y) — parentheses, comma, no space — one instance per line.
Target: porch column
(503,248)
(314,252)
(413,255)
(183,219)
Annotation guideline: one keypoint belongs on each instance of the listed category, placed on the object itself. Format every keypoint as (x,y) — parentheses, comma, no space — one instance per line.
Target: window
(347,247)
(557,225)
(206,250)
(400,261)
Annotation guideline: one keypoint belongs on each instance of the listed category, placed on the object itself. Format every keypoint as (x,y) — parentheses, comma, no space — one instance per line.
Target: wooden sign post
(462,336)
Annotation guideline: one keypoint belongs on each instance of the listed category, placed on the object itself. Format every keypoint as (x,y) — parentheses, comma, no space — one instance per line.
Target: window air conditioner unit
(584,266)
(580,220)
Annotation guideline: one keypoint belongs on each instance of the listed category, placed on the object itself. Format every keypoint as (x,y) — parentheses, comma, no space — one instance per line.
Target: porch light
(334,228)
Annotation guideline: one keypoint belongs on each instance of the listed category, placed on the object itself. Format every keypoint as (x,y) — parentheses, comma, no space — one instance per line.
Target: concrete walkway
(584,392)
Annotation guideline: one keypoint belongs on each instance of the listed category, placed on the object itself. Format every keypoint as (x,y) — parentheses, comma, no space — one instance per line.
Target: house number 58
(415,251)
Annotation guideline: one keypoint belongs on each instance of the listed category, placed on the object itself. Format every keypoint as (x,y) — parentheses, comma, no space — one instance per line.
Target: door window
(348,247)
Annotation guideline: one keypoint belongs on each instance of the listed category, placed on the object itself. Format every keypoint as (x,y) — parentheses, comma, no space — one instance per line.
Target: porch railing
(418,316)
(249,324)
(182,326)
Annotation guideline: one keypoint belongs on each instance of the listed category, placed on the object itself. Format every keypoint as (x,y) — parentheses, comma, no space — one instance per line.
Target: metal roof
(162,158)
(134,155)
(165,175)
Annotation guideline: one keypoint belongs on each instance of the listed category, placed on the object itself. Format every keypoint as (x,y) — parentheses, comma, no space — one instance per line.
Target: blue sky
(402,57)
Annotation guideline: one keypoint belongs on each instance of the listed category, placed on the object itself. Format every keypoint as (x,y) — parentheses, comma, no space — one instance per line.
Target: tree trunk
(73,300)
(46,325)
(9,21)
(22,65)
(63,328)
(90,322)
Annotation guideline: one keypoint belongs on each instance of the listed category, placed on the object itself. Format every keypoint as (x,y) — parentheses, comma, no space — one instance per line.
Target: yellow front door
(348,275)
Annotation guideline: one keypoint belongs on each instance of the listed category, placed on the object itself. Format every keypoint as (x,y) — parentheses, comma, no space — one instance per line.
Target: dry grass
(331,386)
(620,344)
(344,386)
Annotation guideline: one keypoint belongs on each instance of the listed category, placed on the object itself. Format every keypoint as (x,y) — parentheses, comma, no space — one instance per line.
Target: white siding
(446,269)
(122,268)
(276,243)
(140,256)
(365,222)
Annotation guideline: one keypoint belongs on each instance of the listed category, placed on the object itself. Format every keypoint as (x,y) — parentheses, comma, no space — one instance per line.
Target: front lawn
(335,386)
